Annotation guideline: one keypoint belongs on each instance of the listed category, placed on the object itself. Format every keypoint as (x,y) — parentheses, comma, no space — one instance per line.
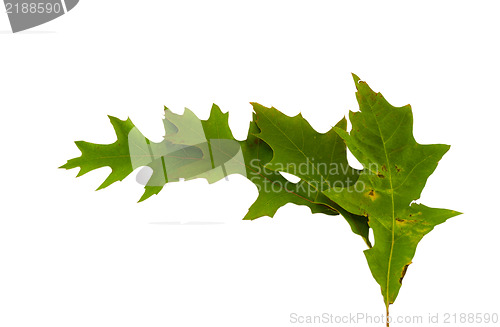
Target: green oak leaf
(318,159)
(116,155)
(129,151)
(274,190)
(220,153)
(194,148)
(396,169)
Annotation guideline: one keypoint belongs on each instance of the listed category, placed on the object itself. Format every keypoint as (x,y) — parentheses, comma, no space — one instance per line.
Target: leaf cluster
(380,197)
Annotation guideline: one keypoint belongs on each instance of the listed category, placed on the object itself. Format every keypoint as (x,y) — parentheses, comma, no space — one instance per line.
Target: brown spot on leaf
(380,175)
(406,221)
(397,168)
(372,195)
(404,273)
(384,168)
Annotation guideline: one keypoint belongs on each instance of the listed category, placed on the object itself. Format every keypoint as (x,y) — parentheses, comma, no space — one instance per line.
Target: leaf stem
(387,314)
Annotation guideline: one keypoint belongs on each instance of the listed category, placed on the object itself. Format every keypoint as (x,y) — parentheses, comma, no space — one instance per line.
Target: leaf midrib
(393,210)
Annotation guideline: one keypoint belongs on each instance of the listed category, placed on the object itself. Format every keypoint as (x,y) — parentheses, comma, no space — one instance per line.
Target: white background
(70,256)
